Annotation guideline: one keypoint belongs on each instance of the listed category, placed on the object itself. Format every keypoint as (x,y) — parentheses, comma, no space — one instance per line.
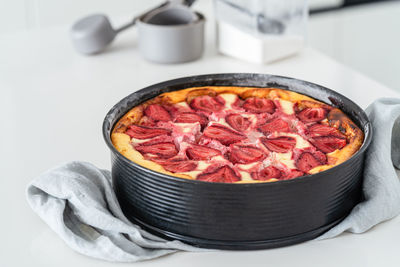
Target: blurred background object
(362,34)
(168,33)
(261,31)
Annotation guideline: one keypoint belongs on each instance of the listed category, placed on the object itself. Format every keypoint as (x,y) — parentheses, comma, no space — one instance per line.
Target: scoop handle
(133,21)
(188,2)
(127,25)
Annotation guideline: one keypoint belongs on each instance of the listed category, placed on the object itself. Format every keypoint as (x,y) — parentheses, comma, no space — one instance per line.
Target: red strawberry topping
(157,113)
(244,154)
(328,144)
(158,139)
(237,122)
(180,166)
(275,125)
(324,130)
(163,150)
(223,134)
(293,174)
(252,131)
(146,121)
(267,173)
(259,105)
(312,114)
(191,117)
(281,144)
(207,103)
(143,132)
(223,174)
(198,152)
(308,161)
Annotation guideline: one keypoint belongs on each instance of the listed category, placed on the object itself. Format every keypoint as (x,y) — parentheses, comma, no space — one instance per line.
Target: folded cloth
(77,201)
(381,185)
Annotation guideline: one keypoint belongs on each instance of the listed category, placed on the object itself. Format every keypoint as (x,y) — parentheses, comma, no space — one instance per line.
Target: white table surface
(53,102)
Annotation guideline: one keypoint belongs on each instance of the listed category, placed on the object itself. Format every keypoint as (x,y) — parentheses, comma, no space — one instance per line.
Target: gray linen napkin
(77,201)
(381,185)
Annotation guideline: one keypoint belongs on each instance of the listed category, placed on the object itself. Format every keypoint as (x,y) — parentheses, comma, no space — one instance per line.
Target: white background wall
(366,38)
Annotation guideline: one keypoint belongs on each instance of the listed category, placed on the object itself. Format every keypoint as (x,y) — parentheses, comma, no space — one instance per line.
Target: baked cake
(236,134)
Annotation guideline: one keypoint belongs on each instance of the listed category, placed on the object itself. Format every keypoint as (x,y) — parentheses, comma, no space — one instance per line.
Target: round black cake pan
(238,216)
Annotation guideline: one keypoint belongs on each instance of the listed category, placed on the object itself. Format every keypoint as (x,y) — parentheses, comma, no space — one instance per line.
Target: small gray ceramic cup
(172,35)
